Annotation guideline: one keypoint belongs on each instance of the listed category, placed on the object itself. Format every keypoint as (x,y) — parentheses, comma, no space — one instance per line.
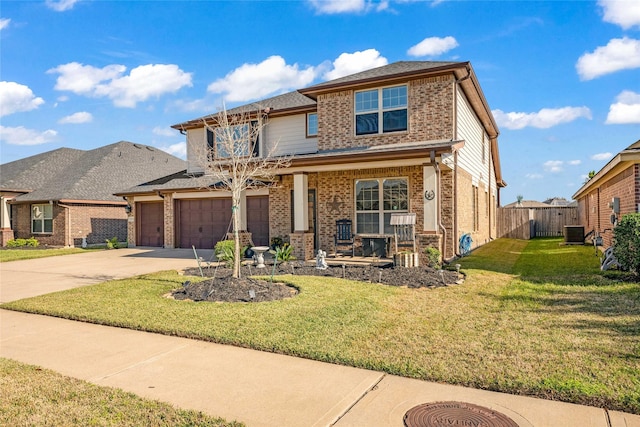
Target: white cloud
(23,136)
(331,7)
(432,46)
(4,23)
(77,118)
(601,156)
(164,131)
(574,162)
(533,176)
(626,110)
(625,13)
(543,119)
(618,54)
(554,166)
(15,97)
(142,83)
(61,5)
(178,150)
(252,81)
(351,63)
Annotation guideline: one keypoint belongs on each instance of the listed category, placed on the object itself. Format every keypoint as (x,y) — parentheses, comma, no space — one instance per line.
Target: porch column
(300,202)
(430,198)
(6,233)
(5,221)
(301,239)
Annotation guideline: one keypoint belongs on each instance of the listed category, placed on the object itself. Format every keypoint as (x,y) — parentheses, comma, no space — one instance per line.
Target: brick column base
(6,234)
(302,245)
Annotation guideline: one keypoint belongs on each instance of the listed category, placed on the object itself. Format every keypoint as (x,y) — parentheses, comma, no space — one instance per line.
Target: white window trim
(311,135)
(33,207)
(381,110)
(381,212)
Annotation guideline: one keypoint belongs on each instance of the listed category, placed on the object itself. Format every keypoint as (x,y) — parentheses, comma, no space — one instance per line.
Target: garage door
(258,219)
(150,218)
(202,222)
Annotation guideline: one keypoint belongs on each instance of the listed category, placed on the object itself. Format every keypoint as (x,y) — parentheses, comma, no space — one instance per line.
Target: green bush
(627,242)
(433,257)
(21,243)
(225,251)
(283,253)
(113,243)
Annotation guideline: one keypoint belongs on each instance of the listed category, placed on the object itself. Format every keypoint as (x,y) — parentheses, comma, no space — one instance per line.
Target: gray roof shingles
(92,175)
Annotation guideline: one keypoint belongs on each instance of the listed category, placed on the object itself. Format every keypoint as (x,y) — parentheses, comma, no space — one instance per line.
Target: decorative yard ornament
(321,263)
(335,205)
(429,194)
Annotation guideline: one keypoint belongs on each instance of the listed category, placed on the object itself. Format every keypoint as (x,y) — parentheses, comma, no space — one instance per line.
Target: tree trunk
(235,201)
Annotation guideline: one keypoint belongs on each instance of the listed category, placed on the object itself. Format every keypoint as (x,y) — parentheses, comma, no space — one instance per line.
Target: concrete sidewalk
(257,388)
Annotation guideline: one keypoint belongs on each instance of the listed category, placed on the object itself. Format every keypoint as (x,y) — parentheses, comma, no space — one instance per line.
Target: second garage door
(202,222)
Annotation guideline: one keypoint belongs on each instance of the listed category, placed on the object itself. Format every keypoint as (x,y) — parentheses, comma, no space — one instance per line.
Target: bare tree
(232,156)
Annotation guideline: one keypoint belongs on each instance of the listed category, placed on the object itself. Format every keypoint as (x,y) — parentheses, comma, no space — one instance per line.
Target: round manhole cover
(455,414)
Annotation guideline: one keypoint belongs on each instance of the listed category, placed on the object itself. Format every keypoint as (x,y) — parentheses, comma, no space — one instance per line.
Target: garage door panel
(150,218)
(202,222)
(258,219)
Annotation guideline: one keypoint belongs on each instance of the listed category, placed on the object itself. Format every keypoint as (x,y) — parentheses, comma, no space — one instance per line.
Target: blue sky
(562,77)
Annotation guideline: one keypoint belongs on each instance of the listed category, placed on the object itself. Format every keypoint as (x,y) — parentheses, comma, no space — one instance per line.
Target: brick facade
(73,222)
(431,116)
(594,211)
(335,196)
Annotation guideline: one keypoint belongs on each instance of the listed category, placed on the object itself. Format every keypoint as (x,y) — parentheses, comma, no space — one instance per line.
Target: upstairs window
(245,141)
(42,218)
(312,124)
(381,110)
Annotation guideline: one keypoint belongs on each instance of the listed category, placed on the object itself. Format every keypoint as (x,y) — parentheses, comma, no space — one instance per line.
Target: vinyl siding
(288,135)
(471,159)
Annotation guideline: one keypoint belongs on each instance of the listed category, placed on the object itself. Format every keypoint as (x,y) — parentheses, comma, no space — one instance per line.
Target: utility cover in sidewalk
(455,414)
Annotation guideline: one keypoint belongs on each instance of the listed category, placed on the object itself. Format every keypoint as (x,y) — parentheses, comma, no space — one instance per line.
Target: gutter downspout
(455,165)
(442,227)
(455,200)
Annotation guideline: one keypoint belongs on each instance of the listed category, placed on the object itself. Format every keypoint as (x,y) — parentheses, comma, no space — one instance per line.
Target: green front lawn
(532,318)
(7,255)
(31,396)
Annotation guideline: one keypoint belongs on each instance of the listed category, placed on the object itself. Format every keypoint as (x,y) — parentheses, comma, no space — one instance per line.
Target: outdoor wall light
(127,209)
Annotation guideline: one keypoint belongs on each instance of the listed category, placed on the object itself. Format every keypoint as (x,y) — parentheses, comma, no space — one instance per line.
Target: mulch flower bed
(225,288)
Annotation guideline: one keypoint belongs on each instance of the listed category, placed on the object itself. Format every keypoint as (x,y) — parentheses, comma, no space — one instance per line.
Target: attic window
(381,110)
(42,218)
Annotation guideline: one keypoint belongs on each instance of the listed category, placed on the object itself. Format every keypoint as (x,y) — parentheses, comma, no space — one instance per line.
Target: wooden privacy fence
(527,223)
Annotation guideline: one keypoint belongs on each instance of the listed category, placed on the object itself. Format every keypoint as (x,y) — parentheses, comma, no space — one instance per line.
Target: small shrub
(31,242)
(283,253)
(433,257)
(112,243)
(225,251)
(627,242)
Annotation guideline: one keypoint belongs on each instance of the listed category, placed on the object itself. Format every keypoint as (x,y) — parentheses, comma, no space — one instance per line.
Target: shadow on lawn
(614,304)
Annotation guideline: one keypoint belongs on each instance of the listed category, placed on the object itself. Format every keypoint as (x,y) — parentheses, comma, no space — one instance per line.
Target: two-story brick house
(414,137)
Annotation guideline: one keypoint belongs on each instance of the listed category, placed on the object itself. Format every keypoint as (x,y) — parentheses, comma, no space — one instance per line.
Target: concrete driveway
(28,278)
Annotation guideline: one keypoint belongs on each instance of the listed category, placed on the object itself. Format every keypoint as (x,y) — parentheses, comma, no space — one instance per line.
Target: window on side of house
(376,200)
(312,124)
(381,110)
(42,218)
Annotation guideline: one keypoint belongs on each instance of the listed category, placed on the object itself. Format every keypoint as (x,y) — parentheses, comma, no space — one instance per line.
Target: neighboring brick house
(66,195)
(415,137)
(612,193)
